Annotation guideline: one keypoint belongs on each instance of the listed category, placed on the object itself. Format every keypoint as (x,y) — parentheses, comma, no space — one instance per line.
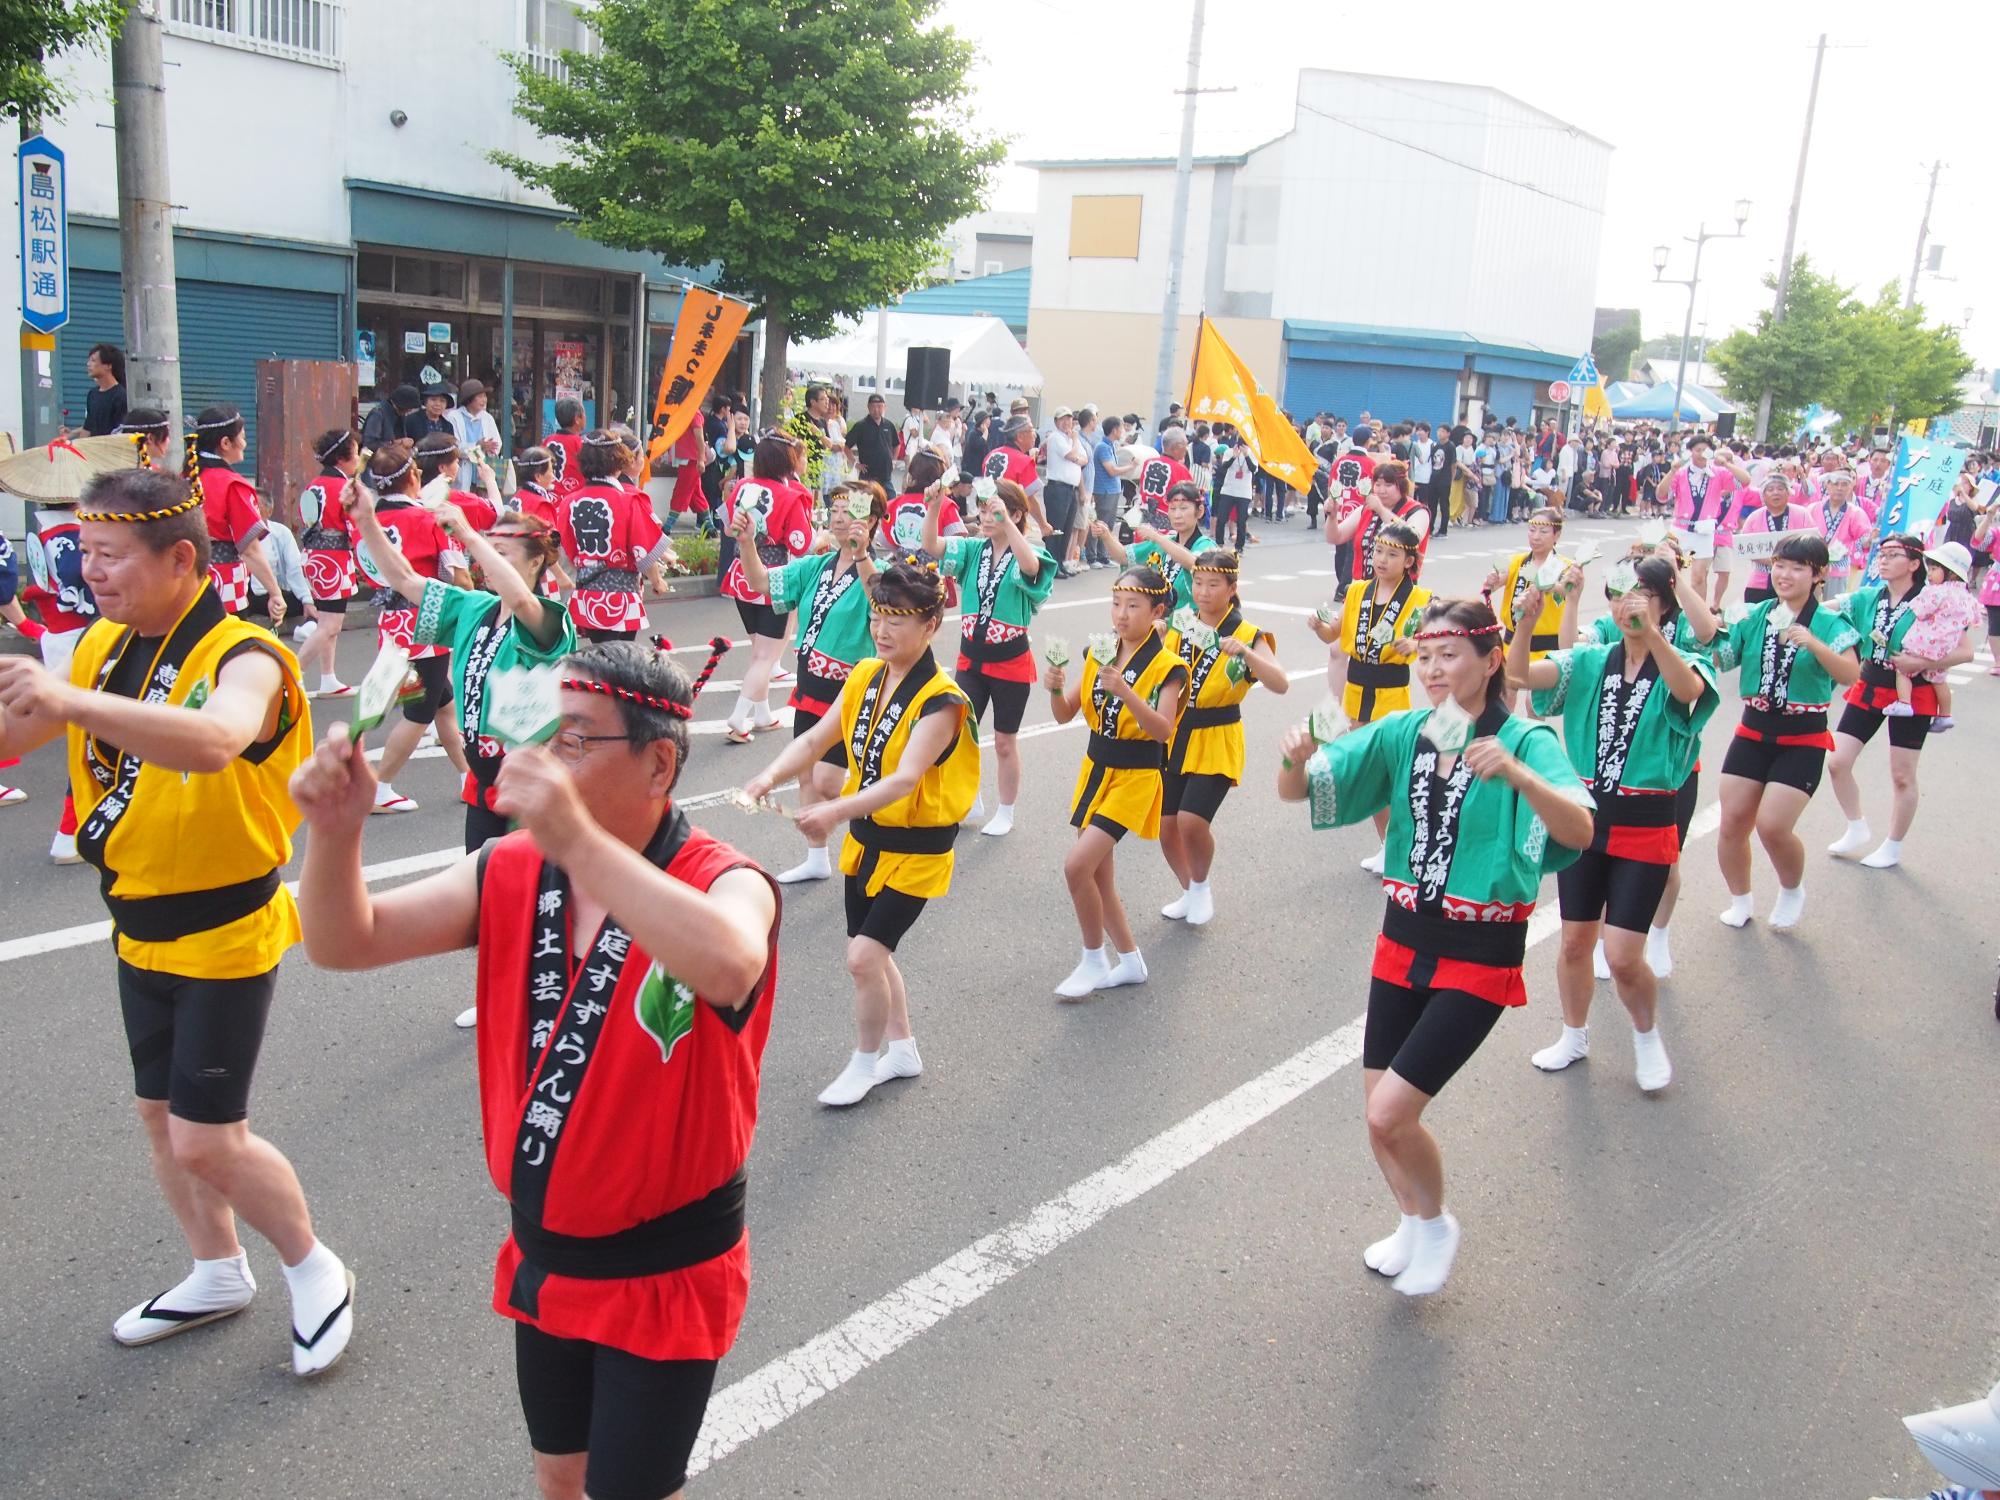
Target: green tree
(808,154)
(1613,349)
(33,31)
(1867,361)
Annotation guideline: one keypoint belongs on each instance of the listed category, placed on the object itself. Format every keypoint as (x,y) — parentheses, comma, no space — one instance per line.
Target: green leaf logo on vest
(665,1007)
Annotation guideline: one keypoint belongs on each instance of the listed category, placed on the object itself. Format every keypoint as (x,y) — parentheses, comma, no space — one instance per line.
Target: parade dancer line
(1773,767)
(1205,759)
(1885,615)
(229,505)
(776,516)
(1004,579)
(326,545)
(1371,645)
(1518,576)
(180,716)
(1633,712)
(1133,703)
(627,965)
(1172,553)
(1470,837)
(828,594)
(913,770)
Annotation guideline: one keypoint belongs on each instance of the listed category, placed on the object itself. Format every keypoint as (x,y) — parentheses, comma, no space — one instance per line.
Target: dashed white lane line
(787,1385)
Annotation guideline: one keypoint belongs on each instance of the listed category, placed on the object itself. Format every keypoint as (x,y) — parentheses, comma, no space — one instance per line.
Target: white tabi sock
(1789,907)
(1738,912)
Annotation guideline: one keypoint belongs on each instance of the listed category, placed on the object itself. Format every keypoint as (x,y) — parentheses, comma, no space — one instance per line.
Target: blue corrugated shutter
(1510,396)
(225,330)
(1389,393)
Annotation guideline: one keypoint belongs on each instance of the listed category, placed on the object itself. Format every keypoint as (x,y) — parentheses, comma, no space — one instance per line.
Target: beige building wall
(1112,358)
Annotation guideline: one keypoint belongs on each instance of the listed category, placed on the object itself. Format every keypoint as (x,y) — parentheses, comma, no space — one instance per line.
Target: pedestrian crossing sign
(1584,371)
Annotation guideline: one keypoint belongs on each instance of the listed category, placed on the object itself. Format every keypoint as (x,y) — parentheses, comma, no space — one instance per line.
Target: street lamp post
(1699,238)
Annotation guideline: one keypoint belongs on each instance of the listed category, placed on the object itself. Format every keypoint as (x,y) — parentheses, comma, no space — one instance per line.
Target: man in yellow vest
(184,724)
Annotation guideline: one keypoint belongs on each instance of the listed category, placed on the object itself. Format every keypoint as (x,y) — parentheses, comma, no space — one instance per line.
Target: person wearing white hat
(1963,1444)
(1945,611)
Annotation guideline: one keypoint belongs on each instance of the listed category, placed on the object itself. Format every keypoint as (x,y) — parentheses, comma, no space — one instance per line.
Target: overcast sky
(1700,114)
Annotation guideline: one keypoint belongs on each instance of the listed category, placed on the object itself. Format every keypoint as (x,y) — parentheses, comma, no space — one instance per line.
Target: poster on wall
(364,358)
(440,333)
(413,342)
(567,359)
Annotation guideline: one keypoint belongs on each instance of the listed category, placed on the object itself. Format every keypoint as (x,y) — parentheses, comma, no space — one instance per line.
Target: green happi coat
(833,627)
(1679,632)
(1742,645)
(1179,579)
(1663,742)
(1502,848)
(1015,598)
(1865,611)
(465,620)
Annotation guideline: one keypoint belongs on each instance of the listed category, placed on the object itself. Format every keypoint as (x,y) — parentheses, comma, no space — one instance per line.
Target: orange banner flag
(1222,389)
(703,337)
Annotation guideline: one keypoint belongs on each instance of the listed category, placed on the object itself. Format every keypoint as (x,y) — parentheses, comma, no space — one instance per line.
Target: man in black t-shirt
(872,441)
(104,406)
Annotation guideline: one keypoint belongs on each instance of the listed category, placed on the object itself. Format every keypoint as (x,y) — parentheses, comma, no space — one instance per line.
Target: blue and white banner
(44,235)
(1919,488)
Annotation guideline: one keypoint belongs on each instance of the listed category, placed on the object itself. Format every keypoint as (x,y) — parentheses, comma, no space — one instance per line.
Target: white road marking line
(1280,609)
(787,1385)
(1276,577)
(1958,679)
(1317,573)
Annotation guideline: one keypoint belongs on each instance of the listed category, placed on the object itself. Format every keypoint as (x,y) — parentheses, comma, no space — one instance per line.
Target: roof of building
(1391,79)
(1003,295)
(1310,332)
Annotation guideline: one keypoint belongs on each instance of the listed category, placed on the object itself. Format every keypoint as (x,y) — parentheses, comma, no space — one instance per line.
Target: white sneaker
(62,850)
(1375,863)
(1130,969)
(1851,842)
(1091,974)
(1659,957)
(1177,908)
(898,1059)
(1572,1046)
(854,1082)
(1649,1057)
(467,1018)
(1430,1260)
(1200,907)
(1600,966)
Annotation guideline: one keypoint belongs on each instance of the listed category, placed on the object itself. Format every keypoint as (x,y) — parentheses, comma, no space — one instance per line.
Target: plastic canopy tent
(1657,404)
(984,351)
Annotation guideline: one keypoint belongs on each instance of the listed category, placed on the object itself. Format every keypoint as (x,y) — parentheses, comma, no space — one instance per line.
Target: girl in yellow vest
(1206,757)
(912,774)
(1133,702)
(1505,586)
(1372,646)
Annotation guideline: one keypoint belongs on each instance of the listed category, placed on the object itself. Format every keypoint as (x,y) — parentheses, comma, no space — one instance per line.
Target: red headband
(718,648)
(1468,631)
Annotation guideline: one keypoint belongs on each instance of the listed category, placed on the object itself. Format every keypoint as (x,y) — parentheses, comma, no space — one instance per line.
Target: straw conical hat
(59,471)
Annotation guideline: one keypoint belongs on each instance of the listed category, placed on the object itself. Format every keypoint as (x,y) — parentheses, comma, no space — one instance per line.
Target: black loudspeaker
(1725,425)
(927,378)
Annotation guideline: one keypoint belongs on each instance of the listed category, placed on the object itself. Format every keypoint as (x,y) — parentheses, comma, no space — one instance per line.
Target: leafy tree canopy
(32,32)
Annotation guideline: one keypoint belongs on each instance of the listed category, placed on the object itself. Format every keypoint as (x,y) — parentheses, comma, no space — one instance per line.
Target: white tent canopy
(984,351)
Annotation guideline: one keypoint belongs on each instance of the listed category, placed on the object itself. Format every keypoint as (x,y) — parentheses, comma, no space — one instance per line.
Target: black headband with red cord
(718,647)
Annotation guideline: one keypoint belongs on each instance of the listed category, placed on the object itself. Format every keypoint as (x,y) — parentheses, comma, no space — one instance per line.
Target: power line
(1449,160)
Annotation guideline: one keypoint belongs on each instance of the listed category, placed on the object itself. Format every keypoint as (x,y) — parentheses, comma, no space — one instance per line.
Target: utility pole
(1170,311)
(145,216)
(1923,234)
(1792,228)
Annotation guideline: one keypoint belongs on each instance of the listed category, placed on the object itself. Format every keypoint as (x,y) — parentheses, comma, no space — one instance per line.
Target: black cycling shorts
(1200,795)
(1904,733)
(1623,893)
(596,636)
(194,1042)
(804,719)
(1797,766)
(1424,1035)
(1993,620)
(636,1418)
(1685,802)
(884,916)
(1009,699)
(434,672)
(330,606)
(761,619)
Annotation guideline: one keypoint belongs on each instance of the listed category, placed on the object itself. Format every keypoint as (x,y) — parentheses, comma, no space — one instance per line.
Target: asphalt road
(1123,1238)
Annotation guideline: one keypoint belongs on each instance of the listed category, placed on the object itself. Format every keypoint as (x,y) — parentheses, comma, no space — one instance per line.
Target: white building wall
(1120,285)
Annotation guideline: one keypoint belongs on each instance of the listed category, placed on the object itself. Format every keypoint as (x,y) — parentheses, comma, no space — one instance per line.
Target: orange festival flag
(1222,389)
(703,336)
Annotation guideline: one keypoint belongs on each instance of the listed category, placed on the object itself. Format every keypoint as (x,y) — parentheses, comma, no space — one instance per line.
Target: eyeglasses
(570,748)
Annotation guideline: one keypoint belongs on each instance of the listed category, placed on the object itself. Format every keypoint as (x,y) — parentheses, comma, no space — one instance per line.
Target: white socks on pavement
(1659,957)
(1001,823)
(1887,857)
(322,1310)
(1374,863)
(213,1289)
(739,716)
(1090,973)
(898,1059)
(854,1082)
(1853,841)
(1176,909)
(1200,904)
(1130,969)
(1649,1059)
(817,865)
(1789,907)
(1392,1256)
(1737,914)
(1431,1256)
(1572,1046)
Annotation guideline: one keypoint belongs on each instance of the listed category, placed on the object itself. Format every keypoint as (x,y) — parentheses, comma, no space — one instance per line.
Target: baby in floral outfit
(1944,610)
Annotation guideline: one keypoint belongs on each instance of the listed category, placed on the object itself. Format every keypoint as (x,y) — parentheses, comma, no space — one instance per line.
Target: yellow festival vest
(189,861)
(1208,741)
(1547,623)
(1377,688)
(1119,781)
(906,845)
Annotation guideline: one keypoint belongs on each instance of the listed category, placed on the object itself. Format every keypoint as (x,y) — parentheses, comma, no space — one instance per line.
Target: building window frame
(545,54)
(304,31)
